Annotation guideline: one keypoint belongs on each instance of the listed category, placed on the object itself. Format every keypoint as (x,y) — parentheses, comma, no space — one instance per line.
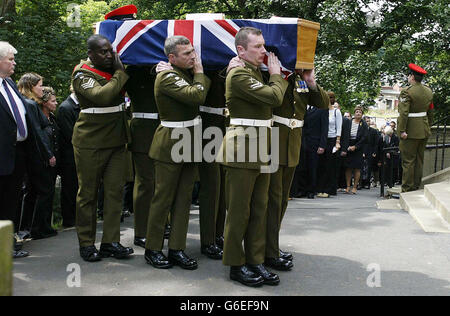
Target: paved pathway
(342,245)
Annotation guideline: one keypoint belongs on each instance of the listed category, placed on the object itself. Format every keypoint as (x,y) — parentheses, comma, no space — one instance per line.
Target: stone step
(439,196)
(423,212)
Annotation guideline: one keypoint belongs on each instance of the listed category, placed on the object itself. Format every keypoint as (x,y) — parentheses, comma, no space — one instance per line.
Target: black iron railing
(442,122)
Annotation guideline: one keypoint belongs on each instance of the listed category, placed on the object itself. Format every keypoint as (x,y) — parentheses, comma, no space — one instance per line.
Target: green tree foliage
(360,42)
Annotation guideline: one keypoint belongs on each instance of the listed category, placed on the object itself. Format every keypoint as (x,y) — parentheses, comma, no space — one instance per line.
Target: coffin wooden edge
(307,32)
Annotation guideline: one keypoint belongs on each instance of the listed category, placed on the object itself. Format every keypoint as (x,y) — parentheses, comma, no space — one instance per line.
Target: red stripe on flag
(227,27)
(136,29)
(185,28)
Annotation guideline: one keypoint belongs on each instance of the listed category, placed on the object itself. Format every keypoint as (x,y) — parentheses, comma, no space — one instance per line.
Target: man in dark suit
(345,140)
(68,113)
(315,132)
(390,140)
(18,145)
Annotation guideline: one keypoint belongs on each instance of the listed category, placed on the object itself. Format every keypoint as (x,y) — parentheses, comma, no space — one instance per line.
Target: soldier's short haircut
(241,37)
(171,43)
(5,49)
(417,77)
(93,41)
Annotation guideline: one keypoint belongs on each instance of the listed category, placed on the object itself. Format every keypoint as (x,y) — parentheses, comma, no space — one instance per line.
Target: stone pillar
(6,245)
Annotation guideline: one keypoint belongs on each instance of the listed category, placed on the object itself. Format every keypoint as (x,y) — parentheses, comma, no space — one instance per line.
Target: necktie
(15,109)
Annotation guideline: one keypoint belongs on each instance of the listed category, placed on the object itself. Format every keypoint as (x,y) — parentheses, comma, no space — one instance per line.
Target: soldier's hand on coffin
(234,63)
(273,64)
(310,78)
(162,65)
(118,63)
(198,67)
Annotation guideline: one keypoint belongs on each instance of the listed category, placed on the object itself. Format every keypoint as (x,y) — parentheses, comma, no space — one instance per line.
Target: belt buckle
(226,112)
(292,123)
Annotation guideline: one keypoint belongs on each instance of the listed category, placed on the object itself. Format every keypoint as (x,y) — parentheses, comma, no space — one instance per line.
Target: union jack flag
(141,42)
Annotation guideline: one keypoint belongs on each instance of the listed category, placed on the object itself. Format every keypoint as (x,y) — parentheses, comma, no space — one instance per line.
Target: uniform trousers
(222,211)
(209,200)
(412,151)
(246,200)
(144,188)
(280,184)
(93,165)
(174,183)
(69,188)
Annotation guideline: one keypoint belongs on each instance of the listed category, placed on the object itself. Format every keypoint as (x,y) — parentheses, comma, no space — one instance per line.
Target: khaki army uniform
(213,114)
(145,120)
(415,118)
(289,119)
(99,138)
(178,96)
(249,101)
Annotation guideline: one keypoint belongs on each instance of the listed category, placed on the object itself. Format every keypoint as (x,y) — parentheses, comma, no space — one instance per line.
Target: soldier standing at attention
(99,139)
(250,103)
(178,93)
(289,119)
(414,120)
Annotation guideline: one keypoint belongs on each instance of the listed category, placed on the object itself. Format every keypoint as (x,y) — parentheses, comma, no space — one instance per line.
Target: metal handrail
(437,124)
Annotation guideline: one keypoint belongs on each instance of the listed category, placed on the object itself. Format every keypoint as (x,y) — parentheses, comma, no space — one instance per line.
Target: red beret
(123,13)
(417,69)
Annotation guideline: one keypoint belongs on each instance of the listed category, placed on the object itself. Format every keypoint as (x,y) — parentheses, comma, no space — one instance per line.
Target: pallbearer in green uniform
(250,103)
(414,120)
(145,120)
(178,93)
(214,115)
(99,138)
(302,91)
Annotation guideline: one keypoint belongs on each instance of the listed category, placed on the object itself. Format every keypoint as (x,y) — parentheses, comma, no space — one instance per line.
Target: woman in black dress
(358,135)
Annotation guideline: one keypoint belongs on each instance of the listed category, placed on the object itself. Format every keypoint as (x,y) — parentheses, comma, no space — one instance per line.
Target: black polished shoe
(140,242)
(20,254)
(167,231)
(115,250)
(212,251)
(310,196)
(270,278)
(243,275)
(219,242)
(279,264)
(90,254)
(179,258)
(157,259)
(286,255)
